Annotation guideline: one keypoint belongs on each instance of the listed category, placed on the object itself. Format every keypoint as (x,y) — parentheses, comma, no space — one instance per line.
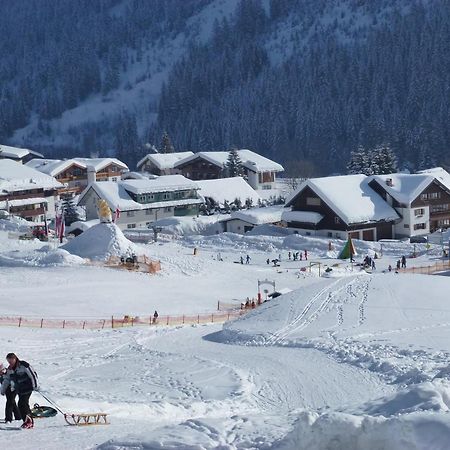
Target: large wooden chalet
(73,173)
(340,206)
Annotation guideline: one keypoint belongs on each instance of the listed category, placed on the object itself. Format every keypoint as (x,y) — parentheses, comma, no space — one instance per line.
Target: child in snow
(11,408)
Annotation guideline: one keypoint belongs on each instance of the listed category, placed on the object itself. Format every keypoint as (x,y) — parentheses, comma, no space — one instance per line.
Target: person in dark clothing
(403,262)
(11,409)
(155,316)
(21,379)
(398,264)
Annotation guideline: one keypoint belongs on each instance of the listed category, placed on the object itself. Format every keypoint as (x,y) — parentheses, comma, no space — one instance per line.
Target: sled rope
(52,403)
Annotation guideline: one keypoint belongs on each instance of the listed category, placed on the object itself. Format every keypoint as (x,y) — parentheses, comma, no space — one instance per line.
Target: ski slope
(349,361)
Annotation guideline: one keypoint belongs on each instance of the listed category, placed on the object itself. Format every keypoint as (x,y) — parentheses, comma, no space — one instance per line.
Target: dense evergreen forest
(305,82)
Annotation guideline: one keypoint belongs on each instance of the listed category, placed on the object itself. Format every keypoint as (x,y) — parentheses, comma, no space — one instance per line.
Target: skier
(268,261)
(373,264)
(11,408)
(247,259)
(390,268)
(242,260)
(155,316)
(398,264)
(403,262)
(306,255)
(300,255)
(289,255)
(22,379)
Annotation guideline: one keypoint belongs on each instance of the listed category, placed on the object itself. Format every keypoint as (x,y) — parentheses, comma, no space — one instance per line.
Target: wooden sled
(86,419)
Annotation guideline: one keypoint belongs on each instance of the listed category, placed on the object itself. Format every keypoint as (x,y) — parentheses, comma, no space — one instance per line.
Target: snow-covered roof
(138,176)
(22,202)
(350,197)
(302,216)
(18,177)
(251,160)
(54,167)
(165,183)
(227,189)
(116,195)
(259,216)
(405,187)
(439,174)
(16,153)
(164,160)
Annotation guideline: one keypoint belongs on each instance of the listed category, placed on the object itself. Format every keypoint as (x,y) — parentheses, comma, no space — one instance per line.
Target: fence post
(42,322)
(198,318)
(212,318)
(132,321)
(167,323)
(103,324)
(183,319)
(218,305)
(20,321)
(150,320)
(228,318)
(84,324)
(64,323)
(112,321)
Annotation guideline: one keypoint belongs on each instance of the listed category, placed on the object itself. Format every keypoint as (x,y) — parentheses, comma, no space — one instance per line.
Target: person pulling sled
(21,379)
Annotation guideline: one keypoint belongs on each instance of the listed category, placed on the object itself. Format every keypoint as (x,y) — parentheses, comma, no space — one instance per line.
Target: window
(130,213)
(430,196)
(149,212)
(313,201)
(166,196)
(420,226)
(168,209)
(406,225)
(419,212)
(131,225)
(307,233)
(337,220)
(439,208)
(444,223)
(329,234)
(114,179)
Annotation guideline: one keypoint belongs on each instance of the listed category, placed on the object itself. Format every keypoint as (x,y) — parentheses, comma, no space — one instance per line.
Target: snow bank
(100,242)
(188,226)
(43,257)
(14,224)
(339,431)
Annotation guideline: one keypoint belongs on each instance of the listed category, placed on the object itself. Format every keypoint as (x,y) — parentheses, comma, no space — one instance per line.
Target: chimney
(389,182)
(91,174)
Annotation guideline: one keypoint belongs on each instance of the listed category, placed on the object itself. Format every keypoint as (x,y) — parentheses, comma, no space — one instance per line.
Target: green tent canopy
(348,251)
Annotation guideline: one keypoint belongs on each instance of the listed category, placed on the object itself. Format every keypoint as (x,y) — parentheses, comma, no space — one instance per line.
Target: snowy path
(148,380)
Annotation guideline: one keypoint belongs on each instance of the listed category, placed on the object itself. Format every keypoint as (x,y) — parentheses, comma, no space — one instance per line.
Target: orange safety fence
(126,321)
(428,270)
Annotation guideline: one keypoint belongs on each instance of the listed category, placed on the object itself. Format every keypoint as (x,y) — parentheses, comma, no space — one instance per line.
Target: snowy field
(349,361)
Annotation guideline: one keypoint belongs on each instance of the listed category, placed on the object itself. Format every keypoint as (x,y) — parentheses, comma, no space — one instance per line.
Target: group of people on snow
(18,380)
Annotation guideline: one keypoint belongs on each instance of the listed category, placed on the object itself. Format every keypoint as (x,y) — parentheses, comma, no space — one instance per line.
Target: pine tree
(358,161)
(233,165)
(384,160)
(70,211)
(166,144)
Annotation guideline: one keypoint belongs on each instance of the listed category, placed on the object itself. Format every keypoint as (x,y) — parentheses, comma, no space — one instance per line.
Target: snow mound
(14,223)
(60,257)
(100,242)
(42,257)
(188,226)
(339,431)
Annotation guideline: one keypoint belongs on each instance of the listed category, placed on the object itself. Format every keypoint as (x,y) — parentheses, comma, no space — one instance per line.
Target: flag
(60,227)
(116,215)
(45,224)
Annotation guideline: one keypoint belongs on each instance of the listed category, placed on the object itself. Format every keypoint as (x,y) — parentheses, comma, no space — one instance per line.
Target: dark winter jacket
(22,379)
